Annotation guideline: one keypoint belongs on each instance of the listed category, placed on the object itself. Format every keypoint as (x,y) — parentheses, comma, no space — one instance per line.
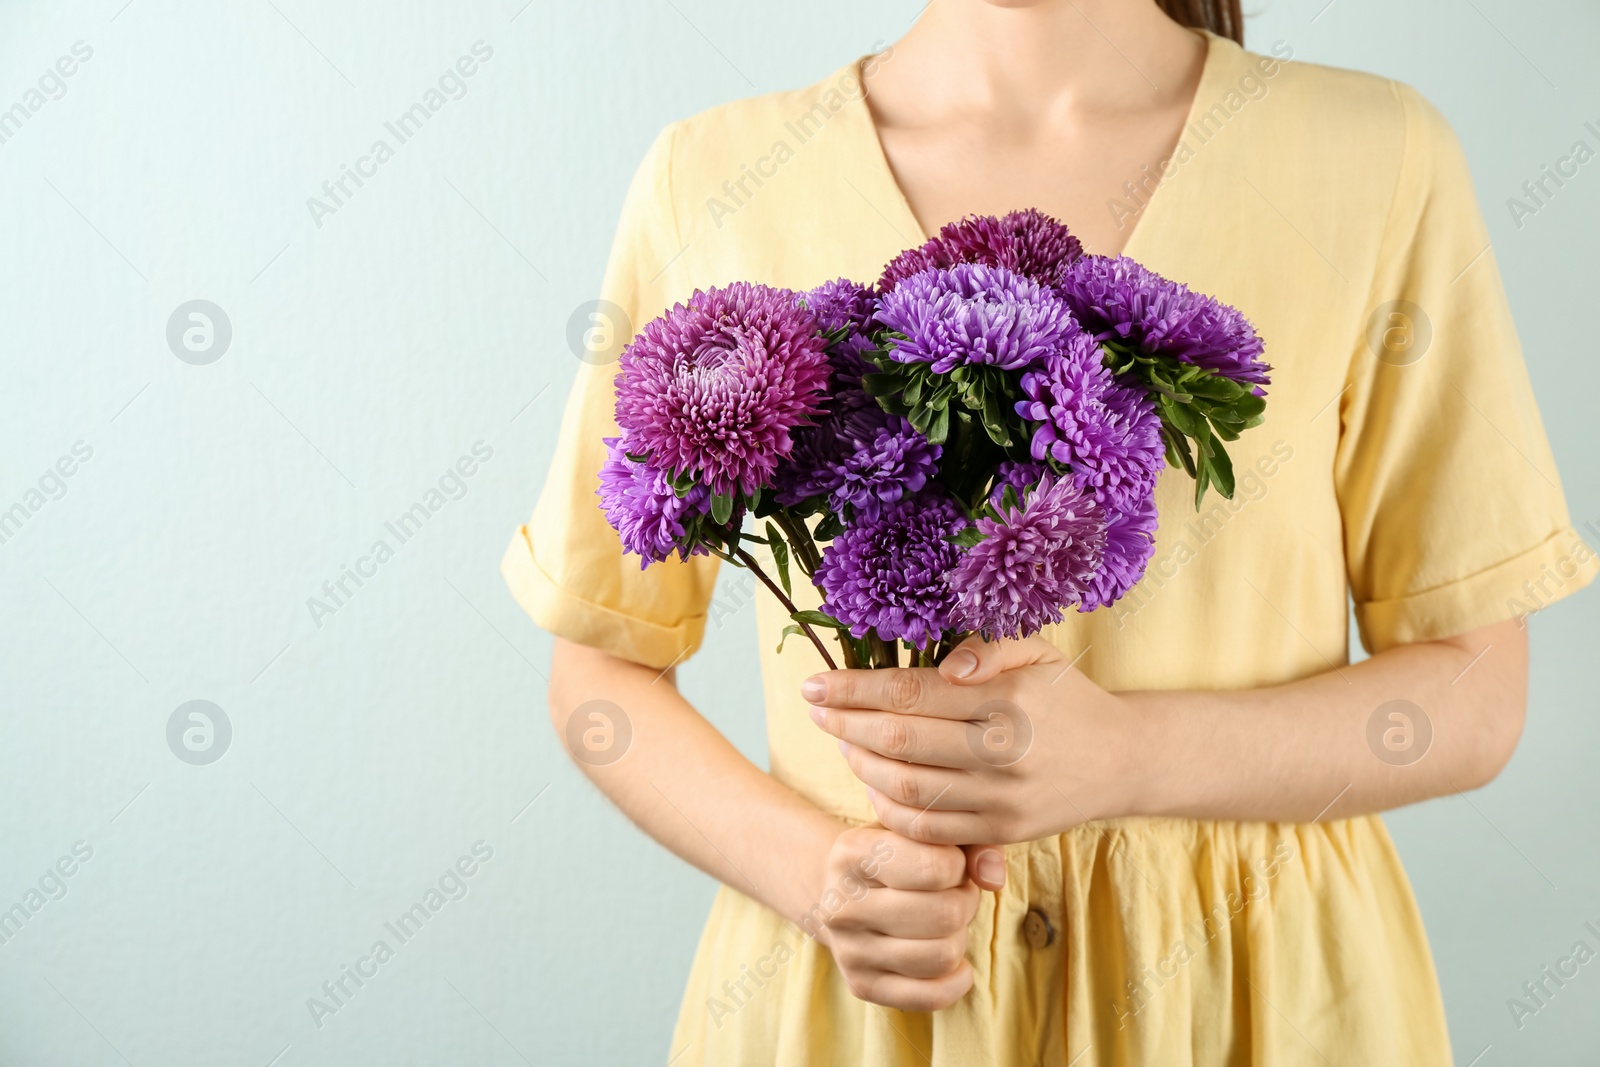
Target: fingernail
(961,662)
(872,794)
(819,717)
(844,748)
(813,689)
(992,869)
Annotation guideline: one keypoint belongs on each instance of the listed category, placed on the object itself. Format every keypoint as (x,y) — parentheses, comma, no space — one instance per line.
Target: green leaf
(1222,471)
(788,632)
(994,419)
(721,507)
(828,528)
(882,384)
(780,556)
(939,428)
(817,618)
(968,537)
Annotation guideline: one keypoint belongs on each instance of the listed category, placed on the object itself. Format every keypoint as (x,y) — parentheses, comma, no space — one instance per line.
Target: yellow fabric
(1310,198)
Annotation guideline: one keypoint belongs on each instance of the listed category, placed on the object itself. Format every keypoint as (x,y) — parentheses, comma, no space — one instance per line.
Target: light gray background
(429,314)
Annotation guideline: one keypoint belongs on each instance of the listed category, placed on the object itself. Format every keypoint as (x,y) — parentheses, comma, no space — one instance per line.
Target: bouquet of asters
(969,446)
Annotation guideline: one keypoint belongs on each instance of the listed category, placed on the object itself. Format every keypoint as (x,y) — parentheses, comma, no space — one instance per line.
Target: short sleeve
(1453,512)
(566,565)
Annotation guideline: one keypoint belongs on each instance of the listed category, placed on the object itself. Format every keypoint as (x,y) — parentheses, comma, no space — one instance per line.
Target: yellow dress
(1402,459)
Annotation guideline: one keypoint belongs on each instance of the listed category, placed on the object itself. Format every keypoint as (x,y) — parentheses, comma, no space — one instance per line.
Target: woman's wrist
(800,874)
(1155,775)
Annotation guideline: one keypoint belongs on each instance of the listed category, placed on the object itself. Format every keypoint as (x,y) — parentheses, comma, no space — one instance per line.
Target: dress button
(1037,929)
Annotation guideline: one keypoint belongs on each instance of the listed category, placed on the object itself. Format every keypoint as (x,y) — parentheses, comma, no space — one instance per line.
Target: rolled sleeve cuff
(1518,587)
(571,617)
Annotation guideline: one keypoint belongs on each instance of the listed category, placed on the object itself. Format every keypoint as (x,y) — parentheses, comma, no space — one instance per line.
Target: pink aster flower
(715,388)
(1029,243)
(1033,562)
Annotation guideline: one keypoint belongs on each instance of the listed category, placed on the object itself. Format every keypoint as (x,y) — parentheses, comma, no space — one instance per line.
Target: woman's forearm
(683,784)
(1311,749)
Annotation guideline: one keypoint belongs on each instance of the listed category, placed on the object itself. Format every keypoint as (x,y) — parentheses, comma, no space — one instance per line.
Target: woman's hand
(1005,742)
(894,915)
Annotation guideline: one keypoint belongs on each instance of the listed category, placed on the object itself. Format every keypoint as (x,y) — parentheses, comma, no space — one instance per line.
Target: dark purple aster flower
(842,304)
(1032,564)
(1117,299)
(1107,431)
(716,387)
(643,509)
(1021,477)
(860,456)
(975,314)
(888,573)
(1130,542)
(1028,242)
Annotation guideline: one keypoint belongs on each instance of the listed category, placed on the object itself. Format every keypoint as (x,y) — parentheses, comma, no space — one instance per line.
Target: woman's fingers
(908,738)
(930,826)
(931,957)
(975,661)
(911,994)
(915,786)
(891,860)
(916,914)
(900,940)
(909,690)
(986,866)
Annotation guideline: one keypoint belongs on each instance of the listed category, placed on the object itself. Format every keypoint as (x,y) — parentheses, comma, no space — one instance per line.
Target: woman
(1175,858)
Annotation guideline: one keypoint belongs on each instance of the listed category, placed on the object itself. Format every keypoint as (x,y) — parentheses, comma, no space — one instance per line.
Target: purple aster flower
(1130,542)
(1021,477)
(975,314)
(888,573)
(1028,242)
(1117,299)
(1108,432)
(861,457)
(643,509)
(715,388)
(842,304)
(1032,563)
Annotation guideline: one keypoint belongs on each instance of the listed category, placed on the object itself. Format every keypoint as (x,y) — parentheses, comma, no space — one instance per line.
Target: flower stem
(804,548)
(804,551)
(744,557)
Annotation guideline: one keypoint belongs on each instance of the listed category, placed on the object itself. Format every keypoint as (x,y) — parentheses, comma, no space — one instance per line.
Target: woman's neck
(1031,61)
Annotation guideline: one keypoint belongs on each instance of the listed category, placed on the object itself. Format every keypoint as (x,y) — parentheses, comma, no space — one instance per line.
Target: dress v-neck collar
(887,197)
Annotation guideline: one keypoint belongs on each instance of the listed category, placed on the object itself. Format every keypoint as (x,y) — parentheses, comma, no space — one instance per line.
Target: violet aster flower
(888,573)
(1119,300)
(860,458)
(1032,563)
(1108,432)
(715,388)
(974,314)
(1130,542)
(1028,242)
(643,509)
